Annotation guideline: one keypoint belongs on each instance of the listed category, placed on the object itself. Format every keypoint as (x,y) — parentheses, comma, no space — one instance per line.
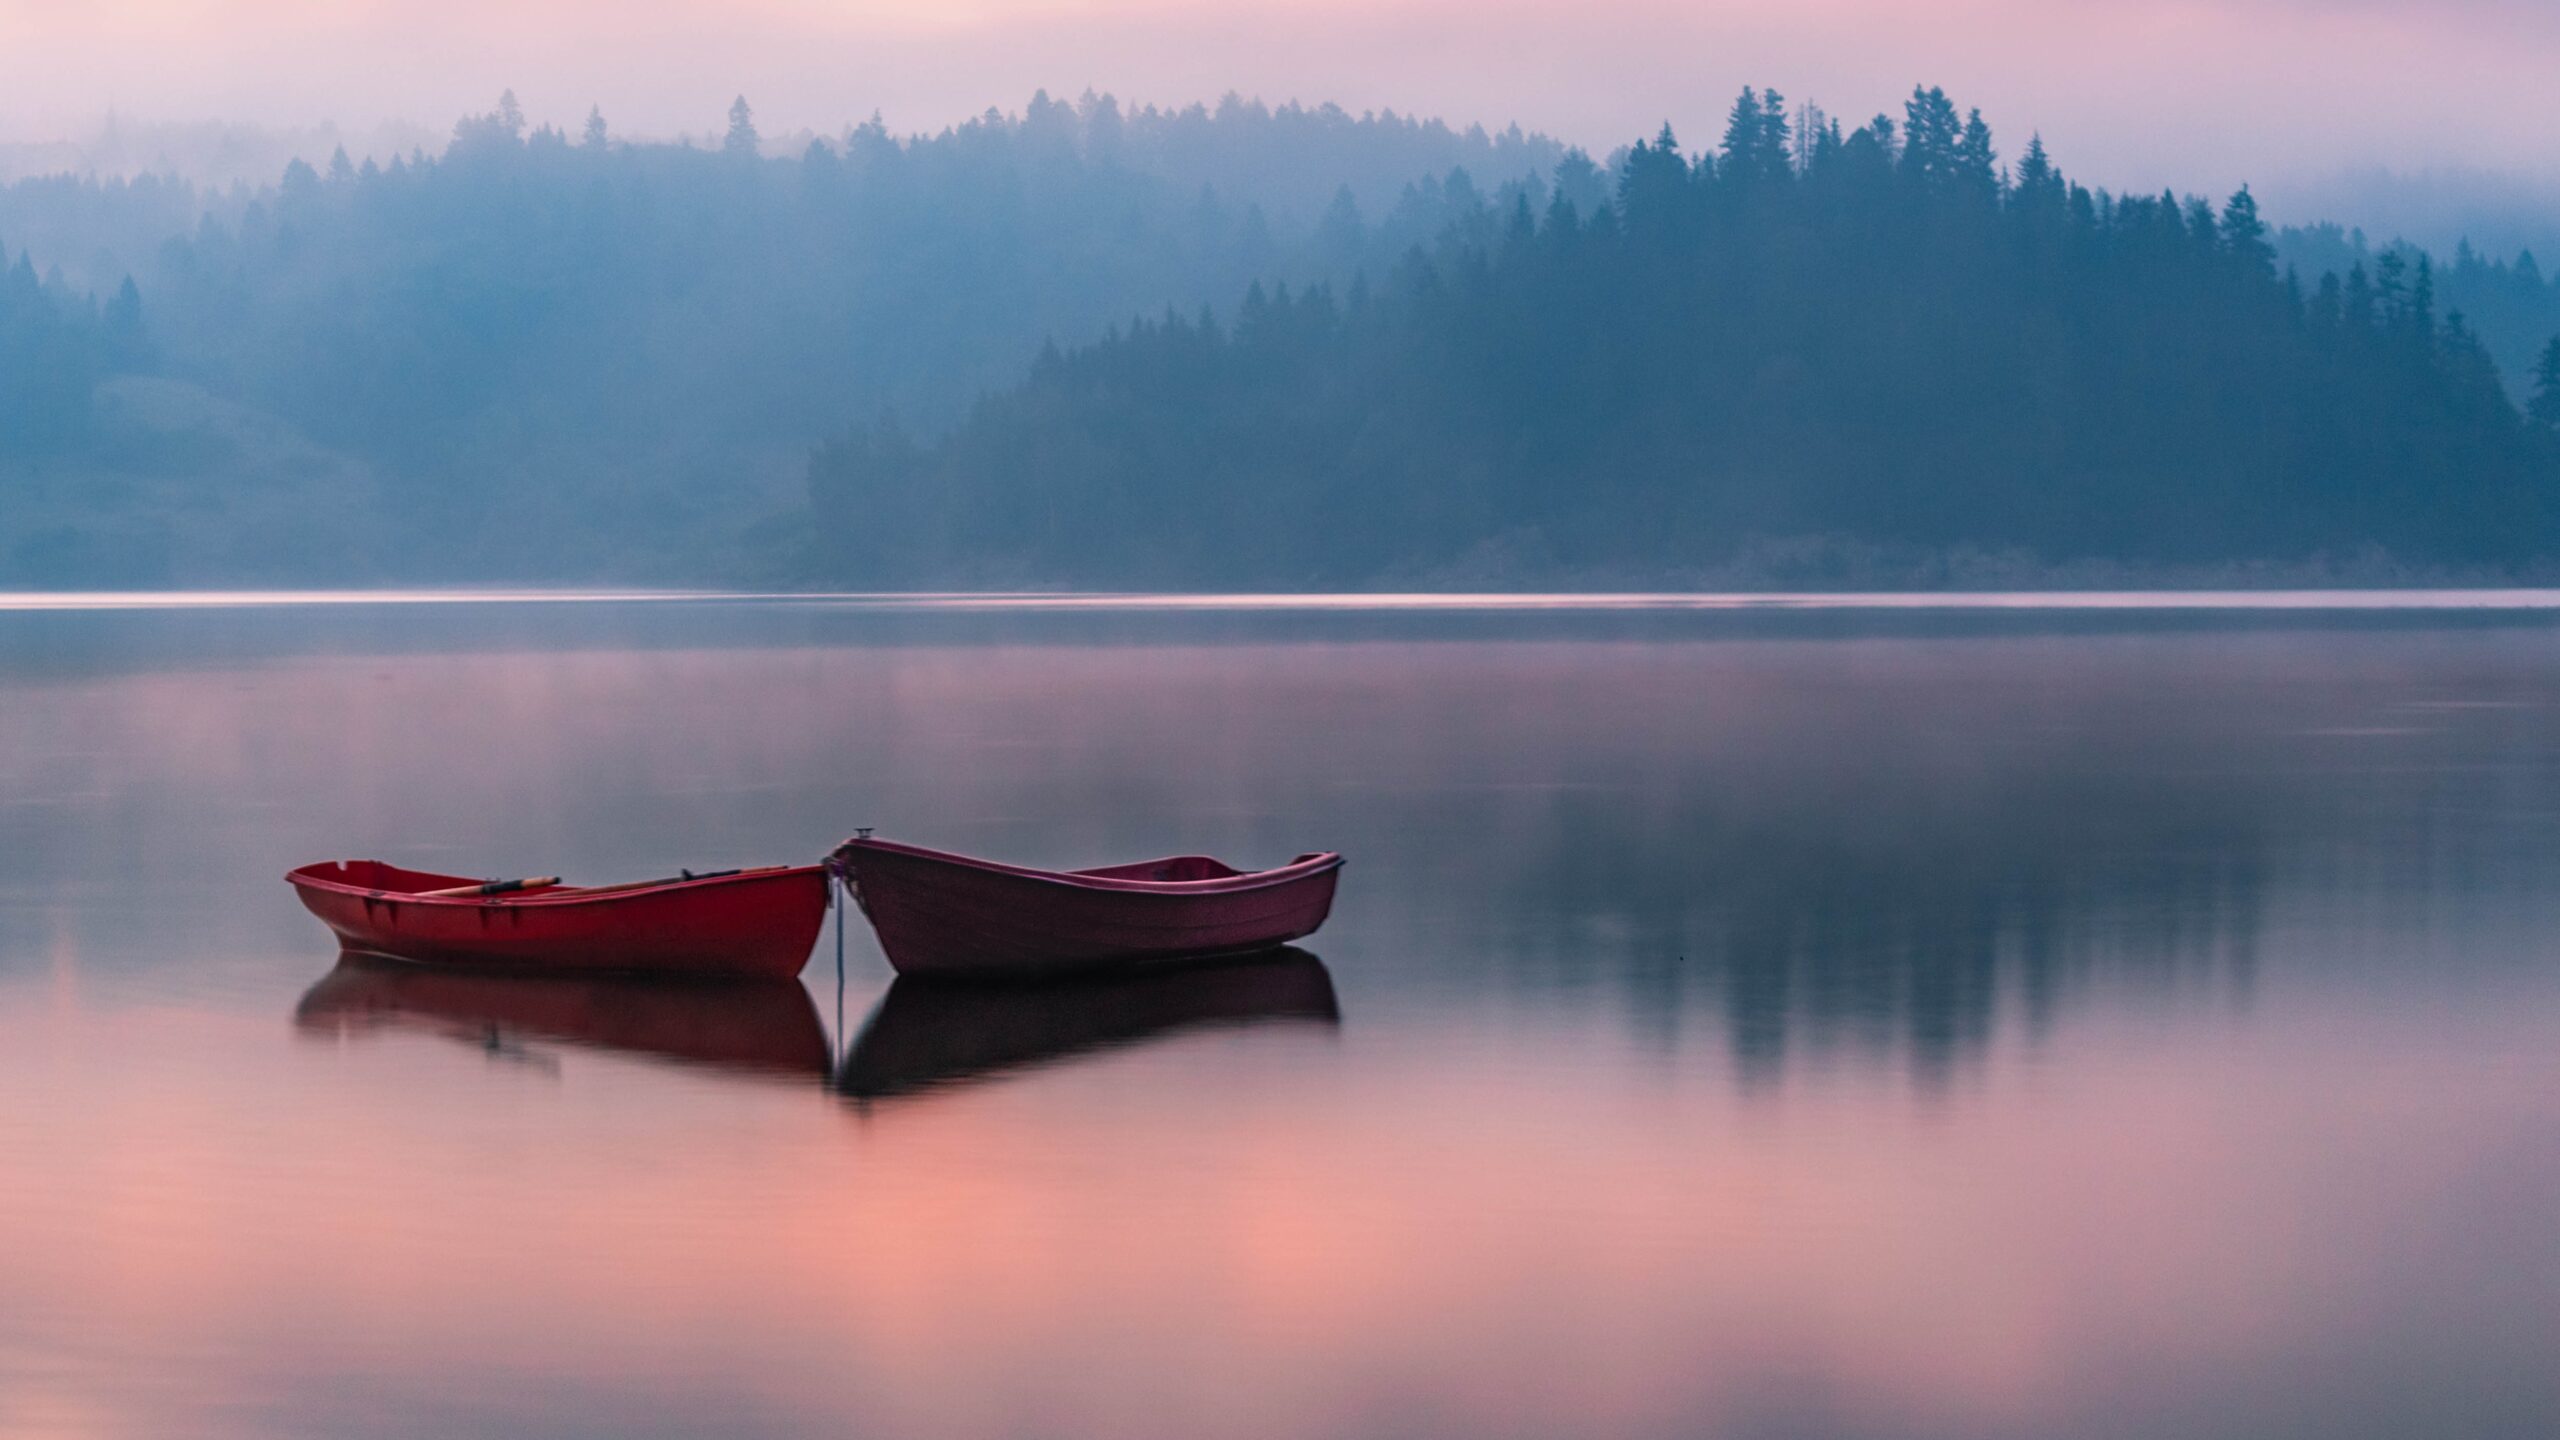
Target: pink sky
(2131,93)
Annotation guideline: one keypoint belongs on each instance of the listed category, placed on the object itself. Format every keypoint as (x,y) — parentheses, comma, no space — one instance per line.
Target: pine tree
(1929,134)
(1563,220)
(1581,182)
(742,139)
(1742,130)
(301,182)
(2356,301)
(1651,186)
(127,348)
(2391,289)
(1975,160)
(2204,228)
(2544,408)
(498,130)
(2244,235)
(595,137)
(2039,184)
(1340,233)
(1104,131)
(1776,141)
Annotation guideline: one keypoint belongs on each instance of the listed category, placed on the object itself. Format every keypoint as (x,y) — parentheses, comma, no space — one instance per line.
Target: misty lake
(1828,1020)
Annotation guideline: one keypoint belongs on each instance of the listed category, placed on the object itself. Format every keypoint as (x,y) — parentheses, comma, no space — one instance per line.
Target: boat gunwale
(300,877)
(1245,882)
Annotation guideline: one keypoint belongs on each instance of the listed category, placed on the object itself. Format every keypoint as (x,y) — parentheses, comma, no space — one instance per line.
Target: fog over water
(1931,634)
(1807,1021)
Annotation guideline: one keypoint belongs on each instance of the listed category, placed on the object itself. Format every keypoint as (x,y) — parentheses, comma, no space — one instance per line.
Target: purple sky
(2129,93)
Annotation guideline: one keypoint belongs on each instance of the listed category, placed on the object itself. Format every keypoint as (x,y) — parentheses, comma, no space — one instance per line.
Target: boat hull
(928,1034)
(950,915)
(760,923)
(758,1027)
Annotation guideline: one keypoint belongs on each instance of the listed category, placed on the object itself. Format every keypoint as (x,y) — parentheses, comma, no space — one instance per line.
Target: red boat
(759,1027)
(942,914)
(741,922)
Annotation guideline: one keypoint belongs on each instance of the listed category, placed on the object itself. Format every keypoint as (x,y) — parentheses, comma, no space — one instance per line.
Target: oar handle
(493,887)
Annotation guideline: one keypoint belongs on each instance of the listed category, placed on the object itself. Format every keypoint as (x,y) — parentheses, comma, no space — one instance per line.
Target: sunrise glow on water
(1279,720)
(1966,1025)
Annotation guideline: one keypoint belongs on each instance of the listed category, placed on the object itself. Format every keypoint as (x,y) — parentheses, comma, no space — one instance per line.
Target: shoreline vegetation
(1368,353)
(2257,589)
(1819,566)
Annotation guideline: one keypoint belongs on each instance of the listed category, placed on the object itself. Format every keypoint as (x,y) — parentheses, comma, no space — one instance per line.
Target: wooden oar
(508,887)
(688,875)
(493,887)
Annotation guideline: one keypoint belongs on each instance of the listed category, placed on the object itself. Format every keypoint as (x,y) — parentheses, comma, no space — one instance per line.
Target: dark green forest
(1811,346)
(1366,349)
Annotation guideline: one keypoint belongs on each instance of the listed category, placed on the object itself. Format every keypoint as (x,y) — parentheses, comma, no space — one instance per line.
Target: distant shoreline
(2375,598)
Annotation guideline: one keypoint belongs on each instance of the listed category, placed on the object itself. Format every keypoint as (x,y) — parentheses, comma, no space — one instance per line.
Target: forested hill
(1396,351)
(1813,343)
(55,346)
(547,356)
(575,291)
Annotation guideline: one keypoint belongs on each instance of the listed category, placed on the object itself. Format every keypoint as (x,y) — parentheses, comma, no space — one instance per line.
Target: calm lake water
(1737,1021)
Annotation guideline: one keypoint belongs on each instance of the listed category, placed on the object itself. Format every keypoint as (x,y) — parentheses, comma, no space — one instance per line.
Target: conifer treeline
(727,290)
(55,346)
(2511,303)
(544,354)
(1879,334)
(617,344)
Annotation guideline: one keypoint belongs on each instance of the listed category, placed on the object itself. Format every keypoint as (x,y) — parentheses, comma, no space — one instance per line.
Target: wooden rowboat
(742,922)
(951,915)
(928,1034)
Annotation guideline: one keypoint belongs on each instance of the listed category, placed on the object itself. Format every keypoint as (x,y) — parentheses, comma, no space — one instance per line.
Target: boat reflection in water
(755,1027)
(927,1033)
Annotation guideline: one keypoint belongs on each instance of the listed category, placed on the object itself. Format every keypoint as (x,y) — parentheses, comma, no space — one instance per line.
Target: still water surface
(1857,1022)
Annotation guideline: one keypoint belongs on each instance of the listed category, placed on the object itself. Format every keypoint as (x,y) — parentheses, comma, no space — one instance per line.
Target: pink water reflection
(2143,1034)
(1213,1236)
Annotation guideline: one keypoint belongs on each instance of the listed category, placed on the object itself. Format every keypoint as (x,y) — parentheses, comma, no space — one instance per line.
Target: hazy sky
(2131,93)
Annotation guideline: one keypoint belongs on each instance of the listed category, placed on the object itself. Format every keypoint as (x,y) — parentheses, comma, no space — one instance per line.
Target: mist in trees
(55,346)
(562,354)
(2510,303)
(1367,347)
(1814,336)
